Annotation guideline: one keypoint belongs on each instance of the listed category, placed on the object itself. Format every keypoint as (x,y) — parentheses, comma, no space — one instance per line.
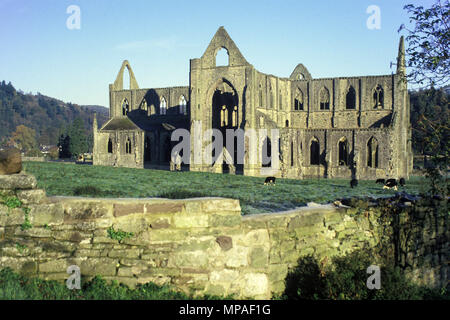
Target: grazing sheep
(391,183)
(353,183)
(269,180)
(402,182)
(383,181)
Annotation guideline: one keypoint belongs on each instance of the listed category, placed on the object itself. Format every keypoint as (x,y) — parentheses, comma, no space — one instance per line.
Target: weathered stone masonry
(341,127)
(204,245)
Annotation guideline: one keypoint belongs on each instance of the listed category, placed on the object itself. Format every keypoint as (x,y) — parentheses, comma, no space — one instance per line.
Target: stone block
(255,284)
(127,208)
(10,161)
(46,214)
(194,259)
(259,257)
(165,208)
(223,220)
(32,196)
(17,182)
(185,221)
(225,243)
(82,210)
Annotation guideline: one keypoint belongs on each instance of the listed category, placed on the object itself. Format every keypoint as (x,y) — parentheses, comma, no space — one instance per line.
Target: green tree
(428,44)
(24,138)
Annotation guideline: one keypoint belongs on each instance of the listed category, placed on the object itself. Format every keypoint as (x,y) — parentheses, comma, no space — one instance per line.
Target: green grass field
(68,179)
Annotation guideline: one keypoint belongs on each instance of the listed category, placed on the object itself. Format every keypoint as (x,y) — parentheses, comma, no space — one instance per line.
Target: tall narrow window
(110,146)
(372,153)
(351,99)
(343,152)
(125,107)
(267,153)
(298,101)
(163,106)
(378,97)
(235,116)
(315,152)
(224,116)
(128,146)
(143,106)
(183,104)
(287,123)
(324,98)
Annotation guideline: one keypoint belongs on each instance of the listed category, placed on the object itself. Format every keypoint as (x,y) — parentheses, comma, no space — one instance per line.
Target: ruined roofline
(146,89)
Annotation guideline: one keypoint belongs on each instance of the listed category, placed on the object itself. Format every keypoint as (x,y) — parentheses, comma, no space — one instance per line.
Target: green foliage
(118,235)
(63,179)
(26,224)
(17,287)
(428,43)
(11,202)
(45,115)
(345,279)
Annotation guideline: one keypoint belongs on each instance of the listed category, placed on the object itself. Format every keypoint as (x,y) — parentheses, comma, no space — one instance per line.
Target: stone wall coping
(306,210)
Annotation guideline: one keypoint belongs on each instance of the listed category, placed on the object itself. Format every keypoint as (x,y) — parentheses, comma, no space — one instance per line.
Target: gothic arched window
(324,99)
(350,99)
(378,97)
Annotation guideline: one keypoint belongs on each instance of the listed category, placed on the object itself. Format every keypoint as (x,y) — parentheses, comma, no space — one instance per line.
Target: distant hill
(47,116)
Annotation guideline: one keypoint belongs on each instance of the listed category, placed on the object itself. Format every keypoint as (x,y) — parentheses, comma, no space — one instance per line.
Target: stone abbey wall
(203,245)
(352,119)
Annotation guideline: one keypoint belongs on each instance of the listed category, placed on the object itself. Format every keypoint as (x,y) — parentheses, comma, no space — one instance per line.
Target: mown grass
(99,181)
(18,287)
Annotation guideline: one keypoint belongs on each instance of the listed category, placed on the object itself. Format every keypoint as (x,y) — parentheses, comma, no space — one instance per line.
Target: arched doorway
(225,115)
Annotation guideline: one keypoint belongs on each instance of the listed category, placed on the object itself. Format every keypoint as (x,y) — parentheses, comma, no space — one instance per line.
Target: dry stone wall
(197,245)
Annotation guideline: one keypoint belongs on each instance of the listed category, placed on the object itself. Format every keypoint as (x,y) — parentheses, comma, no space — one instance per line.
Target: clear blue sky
(38,53)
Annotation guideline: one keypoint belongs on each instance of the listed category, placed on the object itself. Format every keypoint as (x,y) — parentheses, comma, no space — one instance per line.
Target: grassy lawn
(64,180)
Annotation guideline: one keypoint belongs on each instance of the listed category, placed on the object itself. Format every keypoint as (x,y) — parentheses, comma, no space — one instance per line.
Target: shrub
(345,279)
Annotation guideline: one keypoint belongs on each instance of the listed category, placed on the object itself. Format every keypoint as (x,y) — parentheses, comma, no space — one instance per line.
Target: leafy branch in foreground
(428,44)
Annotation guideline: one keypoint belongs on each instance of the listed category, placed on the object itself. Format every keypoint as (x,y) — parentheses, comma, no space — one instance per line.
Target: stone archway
(225,115)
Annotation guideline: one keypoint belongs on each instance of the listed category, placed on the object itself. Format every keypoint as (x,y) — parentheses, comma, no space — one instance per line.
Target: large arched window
(110,146)
(183,104)
(128,146)
(298,101)
(125,107)
(350,99)
(163,106)
(372,153)
(324,99)
(343,152)
(314,152)
(378,97)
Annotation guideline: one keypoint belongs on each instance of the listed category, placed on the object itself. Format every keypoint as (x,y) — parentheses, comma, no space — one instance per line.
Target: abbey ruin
(345,127)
